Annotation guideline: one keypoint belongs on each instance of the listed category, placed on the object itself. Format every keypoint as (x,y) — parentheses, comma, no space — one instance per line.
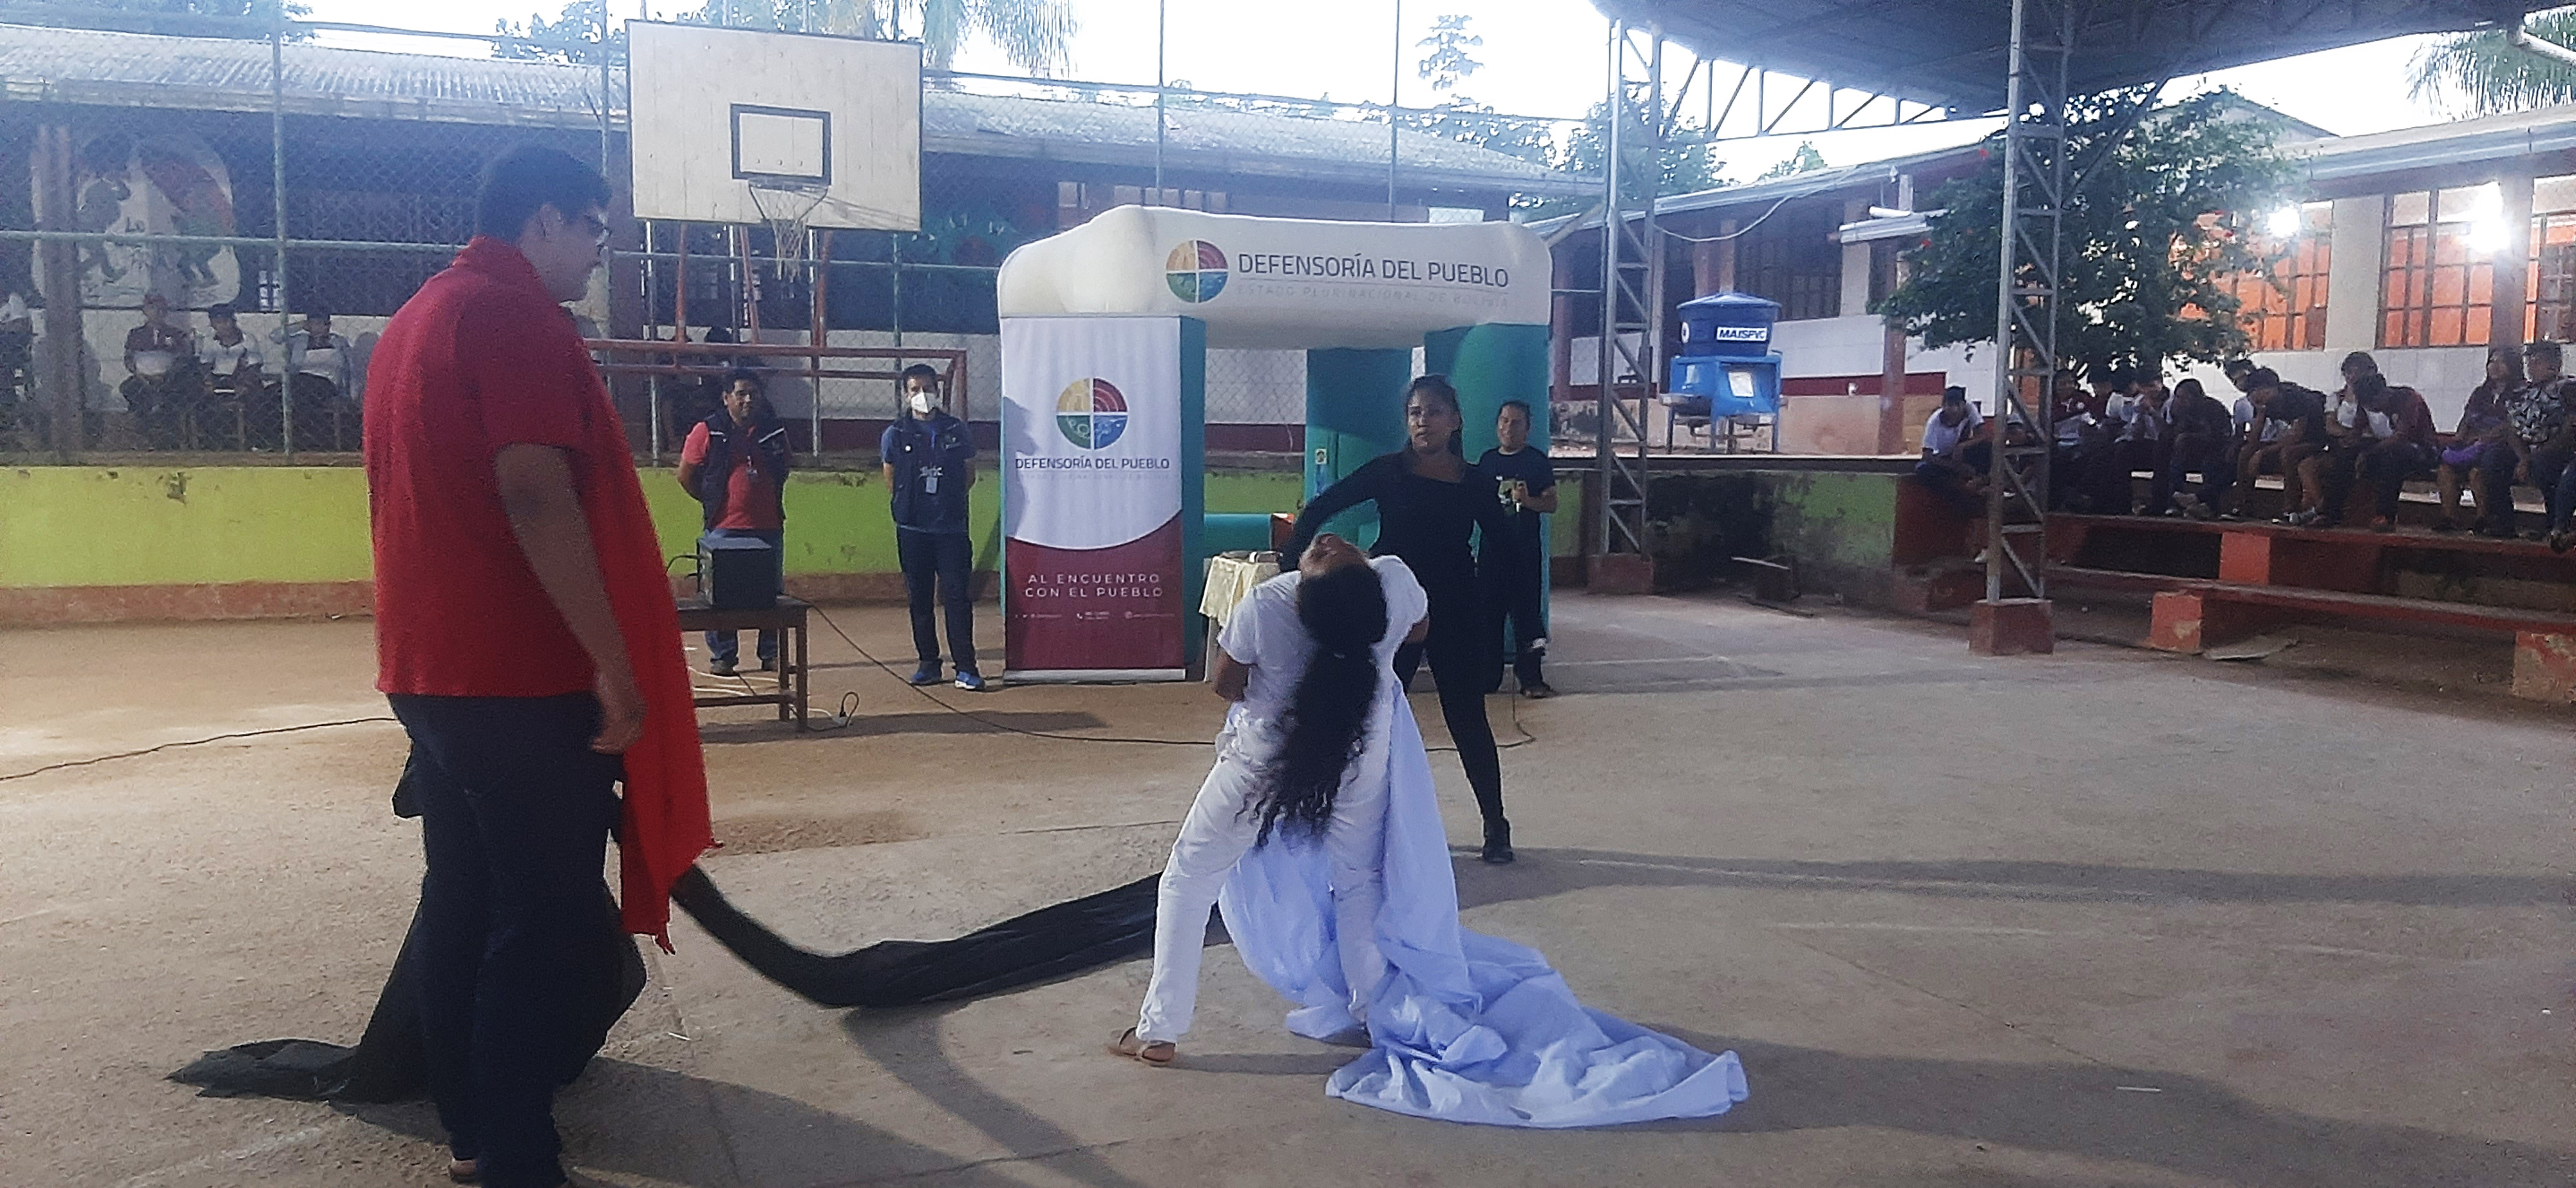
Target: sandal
(465,1171)
(1159,1053)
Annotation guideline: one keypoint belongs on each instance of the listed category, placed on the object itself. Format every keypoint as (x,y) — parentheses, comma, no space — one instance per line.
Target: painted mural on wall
(155,183)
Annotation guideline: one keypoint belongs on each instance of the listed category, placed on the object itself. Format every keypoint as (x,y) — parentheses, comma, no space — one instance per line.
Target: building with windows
(2422,246)
(163,135)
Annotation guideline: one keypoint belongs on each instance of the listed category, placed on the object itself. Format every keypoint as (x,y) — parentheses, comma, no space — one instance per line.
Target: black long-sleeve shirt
(1423,520)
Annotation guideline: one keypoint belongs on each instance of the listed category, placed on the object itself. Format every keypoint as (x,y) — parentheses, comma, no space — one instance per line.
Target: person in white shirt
(321,378)
(231,361)
(1956,454)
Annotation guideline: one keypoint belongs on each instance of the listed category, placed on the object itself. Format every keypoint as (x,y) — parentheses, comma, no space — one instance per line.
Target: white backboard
(716,111)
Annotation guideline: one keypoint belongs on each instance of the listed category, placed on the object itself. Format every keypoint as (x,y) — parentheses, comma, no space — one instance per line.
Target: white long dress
(1463,1027)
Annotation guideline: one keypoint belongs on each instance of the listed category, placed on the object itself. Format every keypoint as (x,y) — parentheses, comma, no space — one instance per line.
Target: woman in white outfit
(1319,834)
(1308,662)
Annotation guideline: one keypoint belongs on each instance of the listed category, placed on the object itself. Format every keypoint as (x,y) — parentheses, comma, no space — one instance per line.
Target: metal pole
(1162,40)
(816,333)
(1997,464)
(1394,97)
(277,195)
(603,90)
(1605,404)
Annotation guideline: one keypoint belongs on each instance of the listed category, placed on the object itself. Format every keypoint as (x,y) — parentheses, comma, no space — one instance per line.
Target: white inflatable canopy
(1284,283)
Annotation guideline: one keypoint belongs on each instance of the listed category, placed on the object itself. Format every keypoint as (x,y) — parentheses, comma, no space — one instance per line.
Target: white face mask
(922,404)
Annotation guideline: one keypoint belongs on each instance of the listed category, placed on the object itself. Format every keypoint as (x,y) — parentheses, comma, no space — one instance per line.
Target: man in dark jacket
(735,463)
(929,467)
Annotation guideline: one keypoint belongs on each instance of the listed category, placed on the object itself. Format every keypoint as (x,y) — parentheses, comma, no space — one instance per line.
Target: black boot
(1498,841)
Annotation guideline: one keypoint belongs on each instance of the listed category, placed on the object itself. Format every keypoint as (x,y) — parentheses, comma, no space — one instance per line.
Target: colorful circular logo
(1091,414)
(1195,270)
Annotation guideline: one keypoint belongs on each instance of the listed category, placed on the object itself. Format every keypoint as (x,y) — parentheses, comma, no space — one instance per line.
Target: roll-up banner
(1101,458)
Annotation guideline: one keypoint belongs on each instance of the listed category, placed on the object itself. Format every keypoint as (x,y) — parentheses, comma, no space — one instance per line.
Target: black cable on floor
(190,742)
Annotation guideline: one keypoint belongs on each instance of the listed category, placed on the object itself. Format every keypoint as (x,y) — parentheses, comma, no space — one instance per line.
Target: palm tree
(2491,76)
(1033,34)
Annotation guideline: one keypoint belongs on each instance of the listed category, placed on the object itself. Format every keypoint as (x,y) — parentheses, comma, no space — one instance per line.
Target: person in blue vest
(929,466)
(735,462)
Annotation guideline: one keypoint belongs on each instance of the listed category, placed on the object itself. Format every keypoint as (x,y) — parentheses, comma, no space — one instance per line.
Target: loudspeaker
(742,573)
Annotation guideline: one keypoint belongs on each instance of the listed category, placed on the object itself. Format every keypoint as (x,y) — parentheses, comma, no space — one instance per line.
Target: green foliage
(2490,76)
(184,18)
(1685,164)
(2147,245)
(1448,63)
(573,36)
(1033,34)
(1805,160)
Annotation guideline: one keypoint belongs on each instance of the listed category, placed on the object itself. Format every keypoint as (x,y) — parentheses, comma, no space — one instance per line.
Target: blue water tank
(1727,325)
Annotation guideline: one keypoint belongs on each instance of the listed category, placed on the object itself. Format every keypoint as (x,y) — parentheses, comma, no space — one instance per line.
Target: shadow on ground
(1545,872)
(2190,1126)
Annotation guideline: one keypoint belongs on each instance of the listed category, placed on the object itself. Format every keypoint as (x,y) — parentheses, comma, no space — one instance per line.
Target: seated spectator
(2537,431)
(2138,443)
(230,361)
(2350,432)
(1956,454)
(2394,441)
(160,374)
(321,378)
(2478,444)
(2079,444)
(17,352)
(2299,413)
(2200,440)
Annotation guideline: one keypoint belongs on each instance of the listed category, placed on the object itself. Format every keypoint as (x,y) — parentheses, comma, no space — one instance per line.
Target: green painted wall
(1834,520)
(138,526)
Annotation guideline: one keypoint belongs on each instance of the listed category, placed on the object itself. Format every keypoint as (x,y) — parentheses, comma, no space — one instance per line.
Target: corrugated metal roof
(86,66)
(2517,134)
(1951,52)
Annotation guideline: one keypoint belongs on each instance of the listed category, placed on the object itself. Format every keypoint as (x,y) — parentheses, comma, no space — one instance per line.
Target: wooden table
(788,620)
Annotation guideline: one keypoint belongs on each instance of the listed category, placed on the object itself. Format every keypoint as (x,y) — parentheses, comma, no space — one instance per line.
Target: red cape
(664,825)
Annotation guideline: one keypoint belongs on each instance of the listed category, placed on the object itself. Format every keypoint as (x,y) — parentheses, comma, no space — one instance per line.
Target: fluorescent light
(2486,236)
(2282,223)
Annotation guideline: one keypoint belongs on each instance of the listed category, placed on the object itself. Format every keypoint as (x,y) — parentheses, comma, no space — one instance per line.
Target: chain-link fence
(216,229)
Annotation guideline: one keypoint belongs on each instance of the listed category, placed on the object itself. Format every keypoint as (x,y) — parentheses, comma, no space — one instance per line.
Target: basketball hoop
(785,204)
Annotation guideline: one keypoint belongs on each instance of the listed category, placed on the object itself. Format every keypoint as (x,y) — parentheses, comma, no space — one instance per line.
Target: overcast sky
(1542,57)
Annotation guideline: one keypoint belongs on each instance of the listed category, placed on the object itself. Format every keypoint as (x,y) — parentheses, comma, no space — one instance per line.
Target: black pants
(1525,612)
(1463,665)
(1949,477)
(938,565)
(2186,453)
(515,810)
(2547,467)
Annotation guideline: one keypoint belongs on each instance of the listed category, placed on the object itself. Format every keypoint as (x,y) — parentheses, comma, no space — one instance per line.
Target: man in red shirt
(735,464)
(524,634)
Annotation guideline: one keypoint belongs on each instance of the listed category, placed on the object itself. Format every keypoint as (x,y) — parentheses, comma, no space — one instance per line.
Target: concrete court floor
(2106,919)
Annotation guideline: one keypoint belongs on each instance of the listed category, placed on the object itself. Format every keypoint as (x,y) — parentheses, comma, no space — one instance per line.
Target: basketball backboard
(717,112)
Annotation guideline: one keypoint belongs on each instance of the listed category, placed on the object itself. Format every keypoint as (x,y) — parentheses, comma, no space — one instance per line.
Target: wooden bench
(2262,575)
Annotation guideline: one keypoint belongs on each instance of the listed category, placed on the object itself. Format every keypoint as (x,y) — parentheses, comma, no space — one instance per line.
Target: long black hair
(1438,387)
(1344,612)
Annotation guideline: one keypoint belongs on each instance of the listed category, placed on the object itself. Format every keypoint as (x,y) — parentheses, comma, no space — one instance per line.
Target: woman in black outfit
(1429,499)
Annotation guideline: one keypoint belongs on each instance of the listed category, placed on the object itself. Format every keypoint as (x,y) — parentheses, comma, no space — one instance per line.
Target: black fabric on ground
(387,1064)
(1049,942)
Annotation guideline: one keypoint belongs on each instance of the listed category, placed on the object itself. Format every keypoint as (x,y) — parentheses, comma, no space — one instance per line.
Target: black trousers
(1525,612)
(2183,454)
(515,811)
(1949,478)
(939,566)
(1464,665)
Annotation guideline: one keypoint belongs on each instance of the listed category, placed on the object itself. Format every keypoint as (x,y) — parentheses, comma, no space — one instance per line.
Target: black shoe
(1538,690)
(769,665)
(1498,844)
(723,668)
